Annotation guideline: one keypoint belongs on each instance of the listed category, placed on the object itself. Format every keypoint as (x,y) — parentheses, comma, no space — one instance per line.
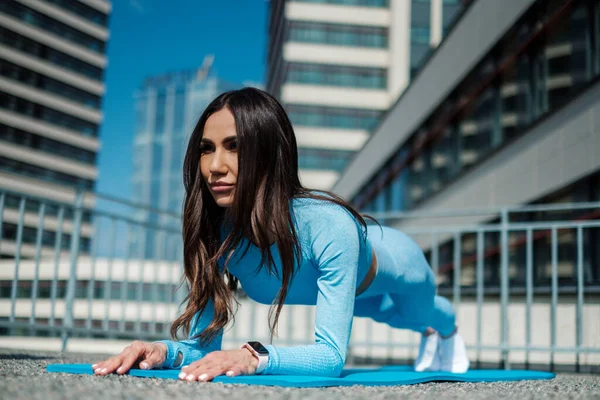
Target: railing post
(57,250)
(15,282)
(36,279)
(504,353)
(579,309)
(2,195)
(74,253)
(435,254)
(528,294)
(480,288)
(456,276)
(554,296)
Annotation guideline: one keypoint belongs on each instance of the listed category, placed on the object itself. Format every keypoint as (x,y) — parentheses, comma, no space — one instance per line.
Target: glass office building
(53,57)
(338,65)
(521,126)
(167,108)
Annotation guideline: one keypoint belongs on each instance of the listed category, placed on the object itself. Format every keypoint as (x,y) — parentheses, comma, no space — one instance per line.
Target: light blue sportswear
(335,259)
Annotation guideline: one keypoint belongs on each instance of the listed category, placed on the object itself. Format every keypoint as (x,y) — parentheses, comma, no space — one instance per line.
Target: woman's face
(218,156)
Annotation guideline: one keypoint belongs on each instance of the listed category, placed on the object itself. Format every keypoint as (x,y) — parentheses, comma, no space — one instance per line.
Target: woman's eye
(204,149)
(233,146)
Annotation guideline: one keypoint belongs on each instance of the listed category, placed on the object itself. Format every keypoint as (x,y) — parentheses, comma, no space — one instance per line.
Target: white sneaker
(428,359)
(453,354)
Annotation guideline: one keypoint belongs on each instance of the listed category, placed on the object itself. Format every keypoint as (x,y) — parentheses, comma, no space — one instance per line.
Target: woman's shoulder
(313,212)
(325,226)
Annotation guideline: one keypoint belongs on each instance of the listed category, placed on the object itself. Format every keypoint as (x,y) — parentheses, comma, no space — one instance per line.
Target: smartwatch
(260,352)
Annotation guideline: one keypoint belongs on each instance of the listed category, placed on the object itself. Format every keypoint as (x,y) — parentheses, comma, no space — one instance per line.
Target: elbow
(336,365)
(336,369)
(336,372)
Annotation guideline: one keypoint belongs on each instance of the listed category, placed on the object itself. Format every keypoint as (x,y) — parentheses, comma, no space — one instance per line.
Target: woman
(256,224)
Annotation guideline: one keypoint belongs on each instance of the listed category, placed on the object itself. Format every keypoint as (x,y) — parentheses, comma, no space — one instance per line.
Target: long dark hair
(266,183)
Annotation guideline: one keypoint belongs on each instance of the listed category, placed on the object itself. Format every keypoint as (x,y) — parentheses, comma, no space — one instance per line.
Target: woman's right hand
(138,354)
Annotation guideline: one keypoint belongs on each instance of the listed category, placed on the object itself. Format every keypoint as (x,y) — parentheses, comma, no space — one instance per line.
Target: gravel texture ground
(23,376)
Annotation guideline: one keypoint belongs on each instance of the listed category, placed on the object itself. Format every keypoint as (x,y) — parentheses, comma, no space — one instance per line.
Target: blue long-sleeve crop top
(335,256)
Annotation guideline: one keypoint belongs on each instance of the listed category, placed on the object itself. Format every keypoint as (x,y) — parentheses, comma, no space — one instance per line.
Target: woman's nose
(217,164)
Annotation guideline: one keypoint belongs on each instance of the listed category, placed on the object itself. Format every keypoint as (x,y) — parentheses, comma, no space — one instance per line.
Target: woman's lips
(221,188)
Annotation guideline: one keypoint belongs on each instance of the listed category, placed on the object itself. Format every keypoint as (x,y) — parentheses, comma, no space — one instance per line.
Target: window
(33,141)
(450,12)
(346,118)
(157,161)
(362,3)
(141,113)
(43,52)
(159,112)
(334,75)
(9,232)
(180,105)
(323,159)
(33,171)
(82,10)
(51,208)
(39,81)
(36,111)
(340,35)
(420,34)
(49,24)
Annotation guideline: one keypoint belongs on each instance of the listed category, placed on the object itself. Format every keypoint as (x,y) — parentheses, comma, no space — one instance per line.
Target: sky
(152,37)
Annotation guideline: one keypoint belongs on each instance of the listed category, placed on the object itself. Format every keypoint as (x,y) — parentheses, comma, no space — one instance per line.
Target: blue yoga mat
(385,376)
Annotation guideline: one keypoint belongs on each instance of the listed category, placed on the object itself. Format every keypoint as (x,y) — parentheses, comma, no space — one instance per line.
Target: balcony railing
(525,289)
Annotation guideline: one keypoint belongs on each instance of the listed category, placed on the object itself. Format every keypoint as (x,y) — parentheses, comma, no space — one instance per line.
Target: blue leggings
(402,293)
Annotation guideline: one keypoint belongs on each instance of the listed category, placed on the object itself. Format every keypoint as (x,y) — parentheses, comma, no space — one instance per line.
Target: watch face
(259,348)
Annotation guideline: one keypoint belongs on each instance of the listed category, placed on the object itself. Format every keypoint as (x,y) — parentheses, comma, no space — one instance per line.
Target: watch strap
(263,360)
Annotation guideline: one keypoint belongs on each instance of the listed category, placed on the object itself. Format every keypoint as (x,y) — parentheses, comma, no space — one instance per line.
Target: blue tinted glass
(179,112)
(159,117)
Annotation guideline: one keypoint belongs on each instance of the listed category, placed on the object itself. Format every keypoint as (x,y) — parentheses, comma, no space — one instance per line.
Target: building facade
(53,57)
(338,65)
(167,108)
(502,116)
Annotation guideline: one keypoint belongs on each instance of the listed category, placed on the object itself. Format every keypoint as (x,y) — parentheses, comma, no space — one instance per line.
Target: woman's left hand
(225,362)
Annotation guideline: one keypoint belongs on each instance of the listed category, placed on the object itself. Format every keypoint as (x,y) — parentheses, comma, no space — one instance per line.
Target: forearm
(318,359)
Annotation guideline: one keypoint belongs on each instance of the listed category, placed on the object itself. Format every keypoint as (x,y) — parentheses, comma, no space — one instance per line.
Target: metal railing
(69,259)
(582,221)
(79,277)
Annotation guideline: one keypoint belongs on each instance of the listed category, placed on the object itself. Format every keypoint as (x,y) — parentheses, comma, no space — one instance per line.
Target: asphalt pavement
(23,376)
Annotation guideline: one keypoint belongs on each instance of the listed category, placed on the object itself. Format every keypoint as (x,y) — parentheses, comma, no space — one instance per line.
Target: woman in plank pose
(248,219)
